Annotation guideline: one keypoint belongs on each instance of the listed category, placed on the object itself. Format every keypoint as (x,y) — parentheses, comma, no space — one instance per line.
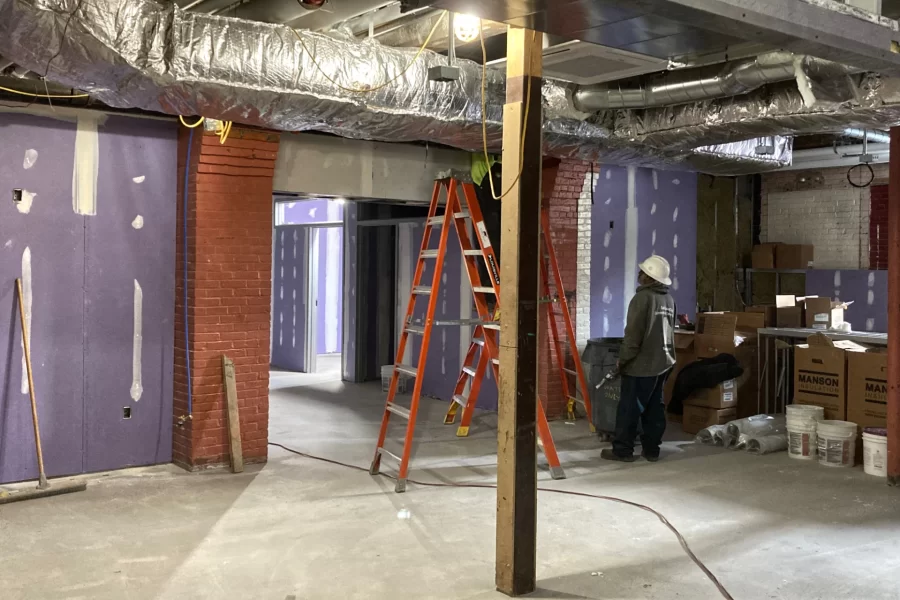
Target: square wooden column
(520,219)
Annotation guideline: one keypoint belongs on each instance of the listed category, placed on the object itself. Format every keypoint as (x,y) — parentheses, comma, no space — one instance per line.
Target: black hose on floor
(684,545)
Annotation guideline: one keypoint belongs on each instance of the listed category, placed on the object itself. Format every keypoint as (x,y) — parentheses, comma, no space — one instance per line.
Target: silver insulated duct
(151,55)
(735,79)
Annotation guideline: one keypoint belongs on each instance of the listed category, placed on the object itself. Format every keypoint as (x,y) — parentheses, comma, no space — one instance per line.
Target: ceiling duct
(143,54)
(735,79)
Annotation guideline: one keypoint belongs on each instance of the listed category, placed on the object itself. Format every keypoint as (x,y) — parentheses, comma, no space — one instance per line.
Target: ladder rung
(446,322)
(469,371)
(461,215)
(483,289)
(496,361)
(577,400)
(436,220)
(398,410)
(495,325)
(384,451)
(478,341)
(570,371)
(471,252)
(461,400)
(418,329)
(407,370)
(425,290)
(429,254)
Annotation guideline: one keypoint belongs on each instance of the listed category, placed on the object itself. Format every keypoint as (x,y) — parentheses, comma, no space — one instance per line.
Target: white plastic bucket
(875,452)
(836,441)
(801,436)
(805,411)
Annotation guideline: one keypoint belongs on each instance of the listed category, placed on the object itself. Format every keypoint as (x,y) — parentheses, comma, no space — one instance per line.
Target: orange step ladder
(486,333)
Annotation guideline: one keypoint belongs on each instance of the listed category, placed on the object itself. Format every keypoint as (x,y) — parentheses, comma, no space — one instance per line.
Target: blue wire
(187,352)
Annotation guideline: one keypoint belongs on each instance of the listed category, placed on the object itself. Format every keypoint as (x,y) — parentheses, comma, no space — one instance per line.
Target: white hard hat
(657,268)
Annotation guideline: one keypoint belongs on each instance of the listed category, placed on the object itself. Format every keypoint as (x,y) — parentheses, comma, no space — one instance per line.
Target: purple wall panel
(670,229)
(866,289)
(305,212)
(289,298)
(329,291)
(608,252)
(667,220)
(55,236)
(116,255)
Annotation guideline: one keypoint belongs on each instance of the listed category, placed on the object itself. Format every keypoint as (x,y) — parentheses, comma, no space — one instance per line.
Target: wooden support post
(893,395)
(520,242)
(234,421)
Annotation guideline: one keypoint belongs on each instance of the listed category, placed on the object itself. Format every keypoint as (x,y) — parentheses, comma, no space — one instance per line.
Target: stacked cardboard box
(782,256)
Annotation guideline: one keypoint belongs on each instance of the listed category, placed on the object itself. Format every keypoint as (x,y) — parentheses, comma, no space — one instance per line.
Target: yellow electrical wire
(386,83)
(484,117)
(31,95)
(191,126)
(223,129)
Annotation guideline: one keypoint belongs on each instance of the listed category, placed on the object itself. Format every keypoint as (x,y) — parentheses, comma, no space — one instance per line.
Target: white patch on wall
(294,274)
(675,261)
(138,222)
(675,284)
(870,298)
(606,237)
(443,351)
(631,238)
(653,208)
(606,263)
(608,173)
(605,325)
(444,278)
(294,319)
(291,204)
(675,215)
(675,241)
(608,200)
(871,279)
(653,238)
(26,308)
(137,387)
(8,244)
(676,181)
(24,205)
(31,156)
(280,328)
(332,285)
(87,161)
(312,212)
(607,295)
(655,180)
(837,279)
(139,179)
(870,324)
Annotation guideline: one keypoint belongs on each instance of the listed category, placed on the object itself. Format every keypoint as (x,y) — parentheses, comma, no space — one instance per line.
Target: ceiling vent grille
(585,63)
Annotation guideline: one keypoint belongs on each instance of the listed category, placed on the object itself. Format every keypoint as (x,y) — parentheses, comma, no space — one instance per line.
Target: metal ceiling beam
(840,33)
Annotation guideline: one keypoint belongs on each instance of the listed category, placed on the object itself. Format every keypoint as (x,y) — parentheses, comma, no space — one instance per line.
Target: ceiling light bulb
(466,28)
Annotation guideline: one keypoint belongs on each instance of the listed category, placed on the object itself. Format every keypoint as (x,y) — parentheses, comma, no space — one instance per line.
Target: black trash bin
(599,358)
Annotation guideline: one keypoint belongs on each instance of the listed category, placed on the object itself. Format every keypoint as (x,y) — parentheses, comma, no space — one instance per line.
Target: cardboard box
(823,313)
(763,256)
(696,418)
(789,311)
(770,313)
(724,395)
(820,376)
(734,333)
(867,388)
(794,256)
(715,334)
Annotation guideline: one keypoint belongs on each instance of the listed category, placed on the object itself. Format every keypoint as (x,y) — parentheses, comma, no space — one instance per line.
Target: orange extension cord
(489,486)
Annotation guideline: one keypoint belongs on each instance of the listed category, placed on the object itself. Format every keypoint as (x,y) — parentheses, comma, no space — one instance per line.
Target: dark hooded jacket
(648,348)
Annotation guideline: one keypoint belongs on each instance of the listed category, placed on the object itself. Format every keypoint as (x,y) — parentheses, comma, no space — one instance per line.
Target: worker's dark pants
(640,401)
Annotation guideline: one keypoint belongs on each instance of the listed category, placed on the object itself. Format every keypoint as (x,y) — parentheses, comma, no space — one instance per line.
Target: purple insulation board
(866,289)
(328,242)
(99,347)
(289,297)
(663,221)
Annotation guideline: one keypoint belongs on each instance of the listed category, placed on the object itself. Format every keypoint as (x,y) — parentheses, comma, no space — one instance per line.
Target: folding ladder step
(429,254)
(496,361)
(424,290)
(469,371)
(472,253)
(418,329)
(495,325)
(407,370)
(461,215)
(460,399)
(478,341)
(576,400)
(570,371)
(385,452)
(398,410)
(446,322)
(436,220)
(483,289)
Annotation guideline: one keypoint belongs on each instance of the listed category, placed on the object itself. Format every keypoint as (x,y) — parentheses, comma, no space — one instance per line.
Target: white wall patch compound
(84,172)
(137,387)
(138,222)
(26,307)
(31,156)
(24,205)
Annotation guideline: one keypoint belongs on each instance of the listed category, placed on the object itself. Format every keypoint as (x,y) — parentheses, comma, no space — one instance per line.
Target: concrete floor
(768,527)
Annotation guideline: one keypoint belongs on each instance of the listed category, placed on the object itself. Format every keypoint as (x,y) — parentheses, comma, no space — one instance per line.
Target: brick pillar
(229,252)
(562,184)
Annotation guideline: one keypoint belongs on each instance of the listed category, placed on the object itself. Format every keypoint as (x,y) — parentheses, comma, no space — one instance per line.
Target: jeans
(640,401)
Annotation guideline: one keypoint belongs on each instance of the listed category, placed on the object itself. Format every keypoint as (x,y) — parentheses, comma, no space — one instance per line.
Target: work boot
(650,458)
(608,454)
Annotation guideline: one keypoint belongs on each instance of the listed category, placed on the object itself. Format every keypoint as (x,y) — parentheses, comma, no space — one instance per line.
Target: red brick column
(229,262)
(562,184)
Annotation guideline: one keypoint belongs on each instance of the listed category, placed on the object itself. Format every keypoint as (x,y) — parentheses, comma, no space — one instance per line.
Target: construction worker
(646,358)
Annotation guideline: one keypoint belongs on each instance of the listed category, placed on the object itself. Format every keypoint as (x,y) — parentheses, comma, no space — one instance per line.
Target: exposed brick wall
(820,207)
(563,185)
(229,246)
(878,222)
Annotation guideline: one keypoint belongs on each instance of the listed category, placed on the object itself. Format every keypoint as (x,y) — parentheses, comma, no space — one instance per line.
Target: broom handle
(34,414)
